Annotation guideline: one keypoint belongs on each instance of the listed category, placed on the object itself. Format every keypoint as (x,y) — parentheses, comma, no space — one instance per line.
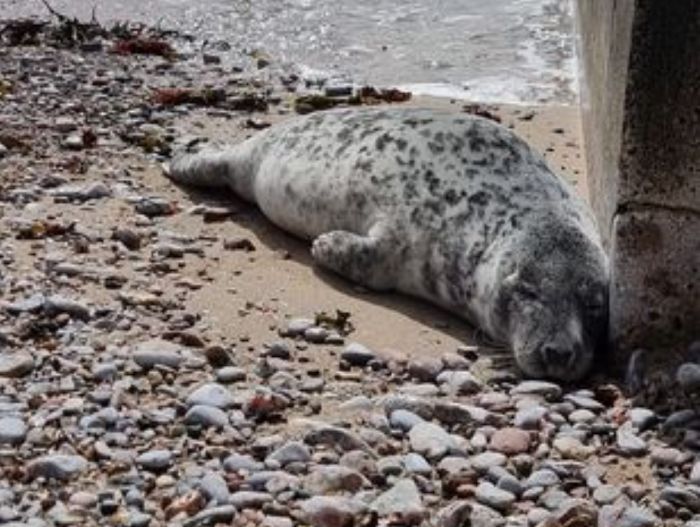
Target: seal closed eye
(451,208)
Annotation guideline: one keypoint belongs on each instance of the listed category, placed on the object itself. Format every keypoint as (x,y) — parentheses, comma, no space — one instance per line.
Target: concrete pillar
(641,118)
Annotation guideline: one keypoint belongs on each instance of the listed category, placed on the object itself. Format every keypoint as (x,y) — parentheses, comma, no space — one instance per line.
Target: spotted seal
(452,208)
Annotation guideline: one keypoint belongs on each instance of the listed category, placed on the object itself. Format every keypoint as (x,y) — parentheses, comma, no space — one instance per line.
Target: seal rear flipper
(204,169)
(366,260)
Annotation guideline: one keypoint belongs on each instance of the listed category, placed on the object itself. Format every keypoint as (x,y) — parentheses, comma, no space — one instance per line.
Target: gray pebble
(404,419)
(16,364)
(431,440)
(157,353)
(291,452)
(57,466)
(211,394)
(215,488)
(357,355)
(13,430)
(206,416)
(155,460)
(491,496)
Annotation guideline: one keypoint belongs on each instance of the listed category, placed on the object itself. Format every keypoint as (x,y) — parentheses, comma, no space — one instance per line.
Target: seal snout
(560,356)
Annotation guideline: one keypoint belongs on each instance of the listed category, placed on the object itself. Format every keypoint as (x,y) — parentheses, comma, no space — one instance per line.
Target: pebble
(13,430)
(215,488)
(630,444)
(460,382)
(530,418)
(416,464)
(482,462)
(642,418)
(356,354)
(544,389)
(404,419)
(572,448)
(57,466)
(510,441)
(246,499)
(491,496)
(431,440)
(211,394)
(328,479)
(155,460)
(206,416)
(402,500)
(16,364)
(292,452)
(333,511)
(157,353)
(230,374)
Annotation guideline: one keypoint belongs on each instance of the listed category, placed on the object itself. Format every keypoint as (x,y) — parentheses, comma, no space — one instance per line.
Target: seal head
(553,302)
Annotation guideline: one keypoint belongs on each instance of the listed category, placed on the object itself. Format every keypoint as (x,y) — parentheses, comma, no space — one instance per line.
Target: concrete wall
(641,120)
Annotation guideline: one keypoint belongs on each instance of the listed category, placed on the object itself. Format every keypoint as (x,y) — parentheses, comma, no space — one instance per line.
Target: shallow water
(487,50)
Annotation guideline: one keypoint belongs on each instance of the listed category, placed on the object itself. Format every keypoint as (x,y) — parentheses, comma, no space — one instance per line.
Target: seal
(451,208)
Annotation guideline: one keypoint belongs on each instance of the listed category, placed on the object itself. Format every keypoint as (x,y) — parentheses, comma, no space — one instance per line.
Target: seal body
(448,207)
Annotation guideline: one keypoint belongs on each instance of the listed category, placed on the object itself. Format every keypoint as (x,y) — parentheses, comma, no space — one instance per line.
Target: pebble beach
(168,357)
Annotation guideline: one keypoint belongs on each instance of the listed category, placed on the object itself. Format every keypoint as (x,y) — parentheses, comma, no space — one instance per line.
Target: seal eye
(526,292)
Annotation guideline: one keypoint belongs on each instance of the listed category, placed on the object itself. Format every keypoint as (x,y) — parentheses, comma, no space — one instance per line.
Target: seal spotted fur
(448,207)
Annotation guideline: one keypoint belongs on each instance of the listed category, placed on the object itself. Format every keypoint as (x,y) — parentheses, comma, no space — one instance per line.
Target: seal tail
(212,169)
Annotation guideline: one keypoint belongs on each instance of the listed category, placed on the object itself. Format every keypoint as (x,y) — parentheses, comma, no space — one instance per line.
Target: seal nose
(558,356)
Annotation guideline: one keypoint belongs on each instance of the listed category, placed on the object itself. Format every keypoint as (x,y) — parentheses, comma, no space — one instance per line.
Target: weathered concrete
(641,113)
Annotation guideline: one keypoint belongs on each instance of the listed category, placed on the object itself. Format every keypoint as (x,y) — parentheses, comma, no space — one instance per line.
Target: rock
(669,457)
(491,496)
(629,443)
(416,464)
(642,418)
(291,452)
(431,440)
(482,516)
(482,462)
(425,370)
(207,416)
(688,377)
(246,499)
(332,511)
(95,190)
(65,124)
(230,374)
(56,305)
(456,514)
(157,352)
(328,479)
(548,390)
(695,474)
(404,419)
(16,364)
(681,497)
(57,466)
(402,500)
(356,354)
(215,488)
(572,448)
(298,326)
(510,441)
(154,206)
(460,382)
(212,516)
(239,462)
(530,418)
(155,460)
(211,394)
(606,494)
(542,478)
(337,437)
(73,142)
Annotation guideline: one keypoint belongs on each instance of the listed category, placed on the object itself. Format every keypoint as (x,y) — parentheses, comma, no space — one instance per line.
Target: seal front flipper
(367,260)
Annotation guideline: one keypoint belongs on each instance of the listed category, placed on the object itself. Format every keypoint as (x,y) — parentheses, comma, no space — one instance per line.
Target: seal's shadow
(276,239)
